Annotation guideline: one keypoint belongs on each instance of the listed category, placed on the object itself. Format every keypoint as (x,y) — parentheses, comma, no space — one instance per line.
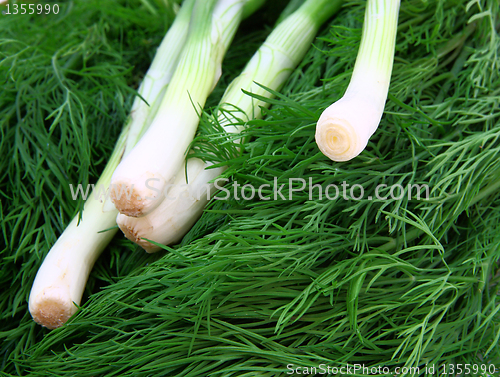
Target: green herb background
(257,285)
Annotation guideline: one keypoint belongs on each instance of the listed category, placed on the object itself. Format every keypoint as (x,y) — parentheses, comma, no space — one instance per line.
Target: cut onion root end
(52,310)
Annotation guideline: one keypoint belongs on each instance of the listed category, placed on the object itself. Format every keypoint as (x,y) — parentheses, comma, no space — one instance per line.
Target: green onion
(61,279)
(143,174)
(270,66)
(344,128)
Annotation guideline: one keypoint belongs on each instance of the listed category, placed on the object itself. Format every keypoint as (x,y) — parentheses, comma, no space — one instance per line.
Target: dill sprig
(257,285)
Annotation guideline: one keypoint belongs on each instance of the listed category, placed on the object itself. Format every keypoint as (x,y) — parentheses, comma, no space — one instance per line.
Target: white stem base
(61,279)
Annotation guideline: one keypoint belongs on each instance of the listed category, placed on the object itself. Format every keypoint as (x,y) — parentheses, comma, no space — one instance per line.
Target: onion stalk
(157,157)
(61,279)
(344,128)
